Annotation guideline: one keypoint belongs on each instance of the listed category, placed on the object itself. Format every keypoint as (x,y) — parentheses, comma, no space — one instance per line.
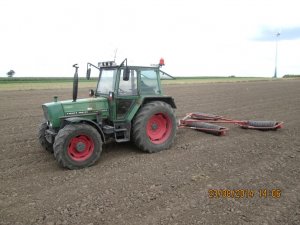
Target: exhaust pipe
(75,83)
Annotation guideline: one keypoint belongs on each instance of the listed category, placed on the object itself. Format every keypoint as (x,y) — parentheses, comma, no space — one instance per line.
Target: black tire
(42,139)
(70,157)
(142,121)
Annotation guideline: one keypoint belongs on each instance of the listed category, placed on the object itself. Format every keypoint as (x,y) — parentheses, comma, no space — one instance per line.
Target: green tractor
(128,104)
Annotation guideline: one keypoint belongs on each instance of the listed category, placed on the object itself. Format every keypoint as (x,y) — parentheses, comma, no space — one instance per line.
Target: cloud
(269,34)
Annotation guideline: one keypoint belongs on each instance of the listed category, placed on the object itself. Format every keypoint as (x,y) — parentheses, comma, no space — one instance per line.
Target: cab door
(126,96)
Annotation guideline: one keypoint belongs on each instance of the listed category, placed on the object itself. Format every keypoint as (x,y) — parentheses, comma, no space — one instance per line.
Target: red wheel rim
(80,148)
(159,128)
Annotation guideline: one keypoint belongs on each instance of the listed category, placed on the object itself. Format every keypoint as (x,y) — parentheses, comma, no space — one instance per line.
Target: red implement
(206,122)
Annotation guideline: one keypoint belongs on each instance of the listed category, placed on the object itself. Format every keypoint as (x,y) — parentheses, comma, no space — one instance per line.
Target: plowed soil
(127,186)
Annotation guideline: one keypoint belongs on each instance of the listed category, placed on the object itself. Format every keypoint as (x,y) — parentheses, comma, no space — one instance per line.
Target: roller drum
(255,123)
(205,126)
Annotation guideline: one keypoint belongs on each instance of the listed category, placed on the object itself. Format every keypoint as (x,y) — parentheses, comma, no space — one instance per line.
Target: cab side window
(149,82)
(128,87)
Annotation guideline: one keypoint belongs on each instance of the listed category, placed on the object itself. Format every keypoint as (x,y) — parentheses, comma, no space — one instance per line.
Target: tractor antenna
(116,50)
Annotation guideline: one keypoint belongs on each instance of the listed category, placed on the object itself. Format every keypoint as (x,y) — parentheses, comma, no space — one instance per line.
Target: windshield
(107,81)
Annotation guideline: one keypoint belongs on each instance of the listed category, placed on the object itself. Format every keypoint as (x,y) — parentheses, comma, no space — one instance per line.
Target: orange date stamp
(244,193)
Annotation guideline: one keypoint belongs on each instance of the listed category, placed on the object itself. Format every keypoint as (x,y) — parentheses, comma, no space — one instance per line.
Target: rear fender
(74,120)
(167,99)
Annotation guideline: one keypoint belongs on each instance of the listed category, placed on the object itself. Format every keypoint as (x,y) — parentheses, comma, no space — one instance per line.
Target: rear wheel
(42,138)
(154,127)
(77,146)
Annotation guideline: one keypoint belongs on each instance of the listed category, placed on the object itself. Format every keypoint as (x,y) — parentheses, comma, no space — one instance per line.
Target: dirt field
(170,187)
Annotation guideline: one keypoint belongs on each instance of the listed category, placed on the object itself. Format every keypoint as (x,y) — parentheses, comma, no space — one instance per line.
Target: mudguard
(73,120)
(167,99)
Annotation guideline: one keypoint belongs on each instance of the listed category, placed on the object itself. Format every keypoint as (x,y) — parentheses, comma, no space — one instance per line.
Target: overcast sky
(195,37)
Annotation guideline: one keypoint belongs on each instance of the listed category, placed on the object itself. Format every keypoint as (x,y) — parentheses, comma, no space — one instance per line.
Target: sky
(44,38)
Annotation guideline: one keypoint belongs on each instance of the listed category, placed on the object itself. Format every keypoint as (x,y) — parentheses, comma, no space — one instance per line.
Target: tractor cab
(125,87)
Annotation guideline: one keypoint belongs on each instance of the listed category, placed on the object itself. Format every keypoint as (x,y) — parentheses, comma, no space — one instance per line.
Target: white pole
(276,52)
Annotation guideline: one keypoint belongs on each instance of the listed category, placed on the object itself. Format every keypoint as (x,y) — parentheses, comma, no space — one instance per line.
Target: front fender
(74,120)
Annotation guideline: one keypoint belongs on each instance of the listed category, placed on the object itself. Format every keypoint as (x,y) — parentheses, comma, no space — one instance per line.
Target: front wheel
(77,146)
(154,127)
(42,137)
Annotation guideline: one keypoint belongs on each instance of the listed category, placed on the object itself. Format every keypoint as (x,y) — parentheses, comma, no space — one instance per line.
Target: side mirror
(126,74)
(91,93)
(88,73)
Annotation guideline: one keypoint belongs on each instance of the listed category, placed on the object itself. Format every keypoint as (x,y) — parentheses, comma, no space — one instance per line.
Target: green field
(31,83)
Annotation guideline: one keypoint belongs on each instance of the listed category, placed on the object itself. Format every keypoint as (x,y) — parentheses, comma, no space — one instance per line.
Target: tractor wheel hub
(154,126)
(80,146)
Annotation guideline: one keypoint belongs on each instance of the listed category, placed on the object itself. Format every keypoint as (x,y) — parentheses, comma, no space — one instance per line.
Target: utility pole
(276,52)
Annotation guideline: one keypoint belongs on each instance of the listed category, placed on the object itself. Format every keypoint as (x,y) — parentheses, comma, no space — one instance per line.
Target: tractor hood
(87,108)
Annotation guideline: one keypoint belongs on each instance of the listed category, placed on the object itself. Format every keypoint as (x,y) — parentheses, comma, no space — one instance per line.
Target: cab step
(122,132)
